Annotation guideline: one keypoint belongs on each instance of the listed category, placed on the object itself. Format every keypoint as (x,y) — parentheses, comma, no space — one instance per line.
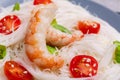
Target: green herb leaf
(51,49)
(59,27)
(116,43)
(117,52)
(16,7)
(2,51)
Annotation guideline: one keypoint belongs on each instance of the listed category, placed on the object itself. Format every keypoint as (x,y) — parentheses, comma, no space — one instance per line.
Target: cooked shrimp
(58,38)
(36,43)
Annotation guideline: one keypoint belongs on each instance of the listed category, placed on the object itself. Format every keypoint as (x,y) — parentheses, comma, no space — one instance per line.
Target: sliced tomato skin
(10,23)
(81,68)
(37,2)
(89,27)
(14,71)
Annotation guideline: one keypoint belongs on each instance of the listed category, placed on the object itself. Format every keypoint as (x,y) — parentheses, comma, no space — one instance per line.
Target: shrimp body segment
(35,42)
(58,38)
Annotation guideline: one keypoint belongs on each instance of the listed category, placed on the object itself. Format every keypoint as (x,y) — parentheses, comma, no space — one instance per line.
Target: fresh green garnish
(59,27)
(16,7)
(116,43)
(51,49)
(2,51)
(117,52)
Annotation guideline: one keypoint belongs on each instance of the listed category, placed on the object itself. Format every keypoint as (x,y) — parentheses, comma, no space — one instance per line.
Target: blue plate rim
(102,12)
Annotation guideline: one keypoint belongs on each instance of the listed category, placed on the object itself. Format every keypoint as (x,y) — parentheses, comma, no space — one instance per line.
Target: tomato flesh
(36,2)
(88,27)
(14,71)
(83,66)
(9,23)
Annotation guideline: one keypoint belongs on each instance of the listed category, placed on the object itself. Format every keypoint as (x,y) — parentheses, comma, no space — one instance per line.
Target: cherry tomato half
(9,23)
(14,71)
(88,27)
(36,2)
(83,66)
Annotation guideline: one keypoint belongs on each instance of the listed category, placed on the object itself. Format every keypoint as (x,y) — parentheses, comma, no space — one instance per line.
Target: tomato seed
(25,72)
(94,65)
(4,19)
(11,17)
(88,60)
(90,69)
(87,65)
(90,74)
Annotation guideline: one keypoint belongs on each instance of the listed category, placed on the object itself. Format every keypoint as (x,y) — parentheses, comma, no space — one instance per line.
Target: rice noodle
(100,46)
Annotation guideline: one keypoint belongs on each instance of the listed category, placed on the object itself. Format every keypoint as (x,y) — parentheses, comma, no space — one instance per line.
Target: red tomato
(36,2)
(9,23)
(83,66)
(88,27)
(14,71)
